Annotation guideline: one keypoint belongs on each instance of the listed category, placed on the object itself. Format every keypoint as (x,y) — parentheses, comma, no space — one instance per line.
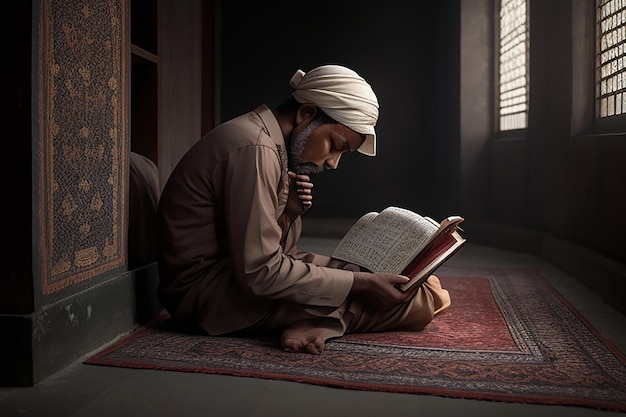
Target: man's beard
(296,147)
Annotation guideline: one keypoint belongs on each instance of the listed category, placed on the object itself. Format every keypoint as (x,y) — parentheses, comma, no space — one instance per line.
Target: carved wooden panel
(83,141)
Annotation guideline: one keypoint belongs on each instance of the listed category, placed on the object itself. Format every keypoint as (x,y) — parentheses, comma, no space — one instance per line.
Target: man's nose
(333,161)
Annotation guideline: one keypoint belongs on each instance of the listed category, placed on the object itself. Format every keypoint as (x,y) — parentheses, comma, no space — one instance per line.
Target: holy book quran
(401,241)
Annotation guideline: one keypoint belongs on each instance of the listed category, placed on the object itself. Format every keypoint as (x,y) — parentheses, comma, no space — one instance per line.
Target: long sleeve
(253,200)
(221,264)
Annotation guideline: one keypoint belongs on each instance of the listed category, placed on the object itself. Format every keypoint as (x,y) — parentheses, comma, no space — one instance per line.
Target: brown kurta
(221,263)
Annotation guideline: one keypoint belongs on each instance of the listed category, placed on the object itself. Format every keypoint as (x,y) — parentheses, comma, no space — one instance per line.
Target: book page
(386,242)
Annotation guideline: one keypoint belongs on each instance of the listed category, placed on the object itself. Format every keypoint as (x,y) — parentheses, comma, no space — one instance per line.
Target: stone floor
(92,391)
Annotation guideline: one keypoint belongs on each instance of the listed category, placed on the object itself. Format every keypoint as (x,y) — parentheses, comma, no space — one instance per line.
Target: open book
(400,241)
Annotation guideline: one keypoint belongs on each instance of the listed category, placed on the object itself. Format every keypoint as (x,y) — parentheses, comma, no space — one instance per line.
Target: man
(229,222)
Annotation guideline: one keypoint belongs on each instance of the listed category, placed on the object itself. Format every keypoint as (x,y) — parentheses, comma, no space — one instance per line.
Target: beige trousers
(355,316)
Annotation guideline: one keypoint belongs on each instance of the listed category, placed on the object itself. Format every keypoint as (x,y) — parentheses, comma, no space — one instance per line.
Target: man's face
(320,144)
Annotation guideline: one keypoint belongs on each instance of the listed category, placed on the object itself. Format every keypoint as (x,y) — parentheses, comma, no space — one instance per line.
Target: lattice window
(513,65)
(610,58)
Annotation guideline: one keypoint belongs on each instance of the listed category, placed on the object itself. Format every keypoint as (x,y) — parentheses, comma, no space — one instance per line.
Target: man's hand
(298,201)
(379,289)
(300,197)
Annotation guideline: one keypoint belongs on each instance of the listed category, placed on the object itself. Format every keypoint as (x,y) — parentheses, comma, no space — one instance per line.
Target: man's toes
(292,345)
(316,346)
(314,349)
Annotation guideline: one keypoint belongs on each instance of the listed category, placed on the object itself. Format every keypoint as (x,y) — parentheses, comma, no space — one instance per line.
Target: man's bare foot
(303,336)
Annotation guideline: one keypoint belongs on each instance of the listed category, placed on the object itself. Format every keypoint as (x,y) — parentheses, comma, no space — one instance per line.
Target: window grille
(610,58)
(513,65)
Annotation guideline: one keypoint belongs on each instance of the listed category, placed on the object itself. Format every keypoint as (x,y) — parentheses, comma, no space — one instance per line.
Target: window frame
(519,132)
(607,124)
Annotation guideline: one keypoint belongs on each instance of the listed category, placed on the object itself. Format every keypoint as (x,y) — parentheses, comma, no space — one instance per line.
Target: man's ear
(306,113)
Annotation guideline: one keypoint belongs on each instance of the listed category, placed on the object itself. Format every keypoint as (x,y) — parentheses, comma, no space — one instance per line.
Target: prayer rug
(508,336)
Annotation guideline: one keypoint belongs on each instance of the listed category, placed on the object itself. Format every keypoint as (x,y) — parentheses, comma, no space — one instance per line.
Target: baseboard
(601,274)
(40,344)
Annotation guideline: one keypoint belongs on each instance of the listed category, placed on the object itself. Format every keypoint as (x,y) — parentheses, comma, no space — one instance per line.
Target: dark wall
(551,190)
(16,284)
(16,287)
(407,51)
(561,176)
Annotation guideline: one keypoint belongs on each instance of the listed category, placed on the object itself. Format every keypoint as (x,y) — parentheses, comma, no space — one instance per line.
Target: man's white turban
(344,96)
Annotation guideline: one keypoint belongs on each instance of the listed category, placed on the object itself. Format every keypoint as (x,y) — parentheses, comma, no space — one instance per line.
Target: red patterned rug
(508,336)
